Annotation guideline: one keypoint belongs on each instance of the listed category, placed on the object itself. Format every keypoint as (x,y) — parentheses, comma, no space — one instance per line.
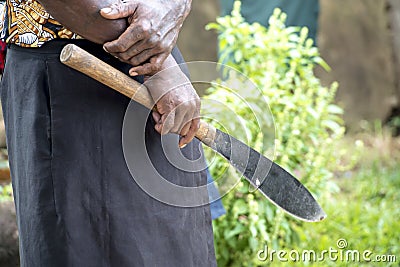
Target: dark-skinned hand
(177,103)
(152,33)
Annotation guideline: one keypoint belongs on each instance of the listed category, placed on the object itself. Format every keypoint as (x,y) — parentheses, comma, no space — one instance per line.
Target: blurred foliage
(279,61)
(5,192)
(365,213)
(5,188)
(394,124)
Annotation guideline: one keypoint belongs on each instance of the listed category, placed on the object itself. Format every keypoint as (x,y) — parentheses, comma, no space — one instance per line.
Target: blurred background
(359,39)
(357,175)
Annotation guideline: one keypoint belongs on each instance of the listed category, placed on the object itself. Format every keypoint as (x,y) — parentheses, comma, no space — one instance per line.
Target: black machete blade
(279,186)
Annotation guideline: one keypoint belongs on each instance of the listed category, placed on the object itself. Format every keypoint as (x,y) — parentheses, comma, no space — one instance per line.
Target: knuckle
(140,28)
(124,8)
(190,104)
(146,27)
(130,8)
(124,57)
(121,46)
(120,7)
(146,35)
(144,70)
(153,42)
(155,67)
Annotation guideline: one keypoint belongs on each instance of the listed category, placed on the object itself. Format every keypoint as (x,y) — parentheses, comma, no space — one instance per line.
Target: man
(76,202)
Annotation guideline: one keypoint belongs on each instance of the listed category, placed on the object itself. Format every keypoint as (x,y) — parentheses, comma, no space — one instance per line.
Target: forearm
(141,33)
(83,17)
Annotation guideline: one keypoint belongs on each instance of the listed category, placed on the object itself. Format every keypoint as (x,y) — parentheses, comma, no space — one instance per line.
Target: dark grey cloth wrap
(77,204)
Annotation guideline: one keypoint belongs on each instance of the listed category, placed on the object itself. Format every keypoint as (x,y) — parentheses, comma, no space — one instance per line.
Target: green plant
(394,123)
(279,60)
(5,192)
(365,212)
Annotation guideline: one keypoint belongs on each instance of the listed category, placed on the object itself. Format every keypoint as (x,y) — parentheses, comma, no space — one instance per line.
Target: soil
(9,251)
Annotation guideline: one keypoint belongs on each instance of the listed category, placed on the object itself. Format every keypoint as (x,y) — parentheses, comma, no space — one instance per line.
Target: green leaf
(240,207)
(322,63)
(239,228)
(332,125)
(334,109)
(238,56)
(280,61)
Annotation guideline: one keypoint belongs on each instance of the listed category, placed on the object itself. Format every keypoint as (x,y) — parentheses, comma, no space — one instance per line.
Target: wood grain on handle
(82,61)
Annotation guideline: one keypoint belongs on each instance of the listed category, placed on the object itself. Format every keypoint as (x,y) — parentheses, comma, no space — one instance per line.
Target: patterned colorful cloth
(29,25)
(3,11)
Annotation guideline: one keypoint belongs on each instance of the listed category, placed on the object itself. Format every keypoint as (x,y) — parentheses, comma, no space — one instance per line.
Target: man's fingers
(141,58)
(152,67)
(120,10)
(134,51)
(194,126)
(184,132)
(187,113)
(132,36)
(167,121)
(185,129)
(152,43)
(180,120)
(156,116)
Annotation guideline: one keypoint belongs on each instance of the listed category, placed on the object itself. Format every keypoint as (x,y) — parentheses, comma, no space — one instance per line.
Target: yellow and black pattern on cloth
(29,25)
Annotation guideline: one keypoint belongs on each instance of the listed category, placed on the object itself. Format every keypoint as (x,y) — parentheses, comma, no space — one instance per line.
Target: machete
(276,184)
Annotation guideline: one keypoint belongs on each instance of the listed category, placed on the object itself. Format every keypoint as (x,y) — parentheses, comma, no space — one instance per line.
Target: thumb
(120,10)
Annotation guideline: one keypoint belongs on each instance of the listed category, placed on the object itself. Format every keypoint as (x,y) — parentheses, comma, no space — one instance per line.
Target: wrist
(182,6)
(169,78)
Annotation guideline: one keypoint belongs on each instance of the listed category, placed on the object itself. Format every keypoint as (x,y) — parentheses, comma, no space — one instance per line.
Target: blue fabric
(217,209)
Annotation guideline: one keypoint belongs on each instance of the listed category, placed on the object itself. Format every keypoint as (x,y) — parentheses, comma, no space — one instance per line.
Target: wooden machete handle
(82,61)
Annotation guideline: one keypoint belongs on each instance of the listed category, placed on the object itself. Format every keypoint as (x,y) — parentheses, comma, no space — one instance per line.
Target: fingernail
(183,146)
(105,49)
(106,10)
(133,73)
